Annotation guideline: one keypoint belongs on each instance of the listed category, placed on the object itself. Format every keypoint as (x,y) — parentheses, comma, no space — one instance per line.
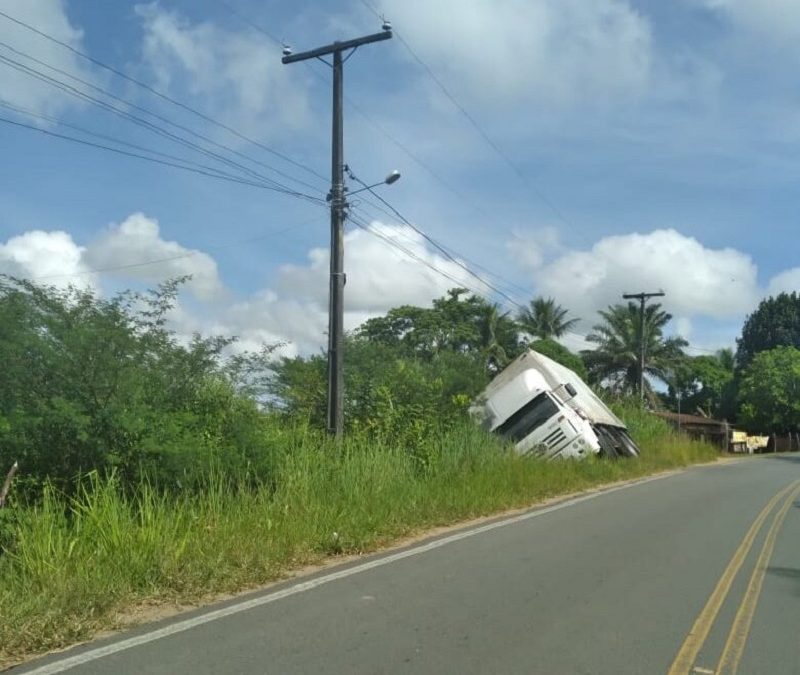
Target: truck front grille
(555,438)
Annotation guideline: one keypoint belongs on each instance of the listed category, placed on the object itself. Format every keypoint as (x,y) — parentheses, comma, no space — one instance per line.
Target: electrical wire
(69,89)
(160,94)
(436,244)
(500,281)
(153,114)
(475,125)
(193,169)
(358,222)
(105,137)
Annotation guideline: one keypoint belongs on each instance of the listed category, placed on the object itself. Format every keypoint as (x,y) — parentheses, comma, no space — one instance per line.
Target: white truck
(546,409)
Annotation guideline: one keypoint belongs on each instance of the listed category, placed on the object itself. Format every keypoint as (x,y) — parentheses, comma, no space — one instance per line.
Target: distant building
(718,432)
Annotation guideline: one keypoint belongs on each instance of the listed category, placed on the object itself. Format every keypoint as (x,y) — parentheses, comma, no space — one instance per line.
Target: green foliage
(704,383)
(560,354)
(388,392)
(775,323)
(615,361)
(544,319)
(101,384)
(770,391)
(457,323)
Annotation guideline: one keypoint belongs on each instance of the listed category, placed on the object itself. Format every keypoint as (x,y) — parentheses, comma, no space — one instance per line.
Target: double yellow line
(734,646)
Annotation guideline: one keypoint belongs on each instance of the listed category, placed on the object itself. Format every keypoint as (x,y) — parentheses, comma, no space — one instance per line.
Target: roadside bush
(100,384)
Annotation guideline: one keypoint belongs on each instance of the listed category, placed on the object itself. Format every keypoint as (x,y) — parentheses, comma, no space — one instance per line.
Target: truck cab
(538,419)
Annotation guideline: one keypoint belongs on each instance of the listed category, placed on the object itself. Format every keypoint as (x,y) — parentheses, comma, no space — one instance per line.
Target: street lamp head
(387,25)
(287,50)
(393,177)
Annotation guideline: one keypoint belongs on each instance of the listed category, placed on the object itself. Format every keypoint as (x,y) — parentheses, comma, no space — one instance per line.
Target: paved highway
(697,572)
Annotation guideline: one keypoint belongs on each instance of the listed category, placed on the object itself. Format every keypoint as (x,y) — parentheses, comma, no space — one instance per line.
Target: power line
(147,111)
(211,174)
(475,125)
(357,220)
(436,244)
(69,89)
(501,282)
(105,137)
(161,95)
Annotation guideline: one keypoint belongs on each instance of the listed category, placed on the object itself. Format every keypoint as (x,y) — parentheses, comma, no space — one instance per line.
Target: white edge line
(187,624)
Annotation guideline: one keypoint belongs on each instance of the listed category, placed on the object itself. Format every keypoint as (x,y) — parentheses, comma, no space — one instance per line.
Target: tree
(615,361)
(457,322)
(704,383)
(544,319)
(775,323)
(770,391)
(386,389)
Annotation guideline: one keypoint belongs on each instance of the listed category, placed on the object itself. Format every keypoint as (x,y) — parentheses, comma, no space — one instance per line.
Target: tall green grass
(71,563)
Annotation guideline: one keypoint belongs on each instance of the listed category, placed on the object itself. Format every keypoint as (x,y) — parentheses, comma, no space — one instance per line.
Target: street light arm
(393,177)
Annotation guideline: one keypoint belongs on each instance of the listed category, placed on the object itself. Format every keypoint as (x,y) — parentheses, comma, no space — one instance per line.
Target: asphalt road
(664,576)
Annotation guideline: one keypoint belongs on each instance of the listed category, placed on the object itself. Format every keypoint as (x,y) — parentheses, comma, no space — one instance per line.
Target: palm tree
(615,362)
(496,331)
(544,319)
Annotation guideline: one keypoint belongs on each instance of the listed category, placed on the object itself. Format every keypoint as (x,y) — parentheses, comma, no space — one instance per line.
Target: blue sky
(644,145)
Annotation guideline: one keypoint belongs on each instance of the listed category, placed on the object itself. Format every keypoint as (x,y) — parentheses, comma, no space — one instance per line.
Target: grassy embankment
(70,567)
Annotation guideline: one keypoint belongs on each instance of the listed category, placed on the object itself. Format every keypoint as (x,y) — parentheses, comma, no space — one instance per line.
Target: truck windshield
(528,418)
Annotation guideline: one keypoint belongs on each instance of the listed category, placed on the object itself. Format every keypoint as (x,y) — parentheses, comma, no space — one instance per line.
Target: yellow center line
(684,660)
(737,638)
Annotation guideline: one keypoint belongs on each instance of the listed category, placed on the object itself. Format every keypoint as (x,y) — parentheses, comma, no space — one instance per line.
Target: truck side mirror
(571,390)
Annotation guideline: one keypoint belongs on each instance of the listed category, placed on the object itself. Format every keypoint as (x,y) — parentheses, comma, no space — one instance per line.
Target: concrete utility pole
(338,205)
(642,298)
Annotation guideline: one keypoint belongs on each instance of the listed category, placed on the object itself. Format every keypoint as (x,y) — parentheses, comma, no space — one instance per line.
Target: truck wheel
(627,445)
(607,448)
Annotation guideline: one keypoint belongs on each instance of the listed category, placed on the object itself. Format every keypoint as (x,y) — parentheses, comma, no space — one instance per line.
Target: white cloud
(533,247)
(22,89)
(518,50)
(127,250)
(785,282)
(238,75)
(51,258)
(698,281)
(378,278)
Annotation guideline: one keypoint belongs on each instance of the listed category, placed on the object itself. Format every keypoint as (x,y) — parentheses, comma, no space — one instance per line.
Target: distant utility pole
(642,298)
(338,205)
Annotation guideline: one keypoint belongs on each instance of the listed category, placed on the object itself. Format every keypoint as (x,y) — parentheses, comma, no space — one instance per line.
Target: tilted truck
(546,409)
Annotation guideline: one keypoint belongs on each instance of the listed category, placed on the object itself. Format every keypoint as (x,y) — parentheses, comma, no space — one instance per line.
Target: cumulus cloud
(518,50)
(378,278)
(236,74)
(134,249)
(785,282)
(533,247)
(22,89)
(697,280)
(52,258)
